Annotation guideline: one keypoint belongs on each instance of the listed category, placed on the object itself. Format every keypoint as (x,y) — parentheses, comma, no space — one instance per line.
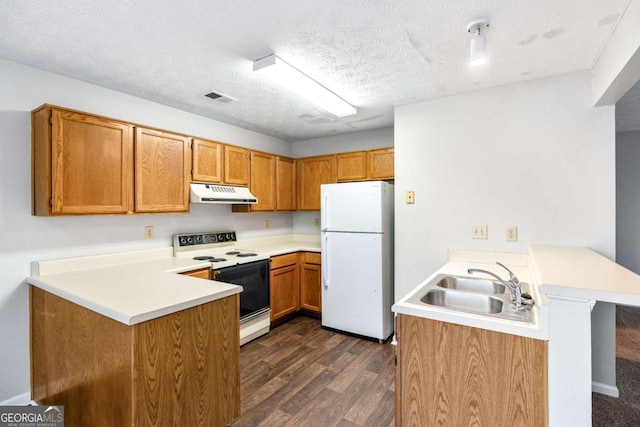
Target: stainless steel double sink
(471,295)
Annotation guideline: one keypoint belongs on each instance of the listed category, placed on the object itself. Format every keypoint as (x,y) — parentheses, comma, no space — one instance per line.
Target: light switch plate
(149,232)
(512,233)
(410,197)
(479,232)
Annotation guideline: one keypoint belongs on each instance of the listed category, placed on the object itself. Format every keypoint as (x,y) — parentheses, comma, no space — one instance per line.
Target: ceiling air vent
(220,97)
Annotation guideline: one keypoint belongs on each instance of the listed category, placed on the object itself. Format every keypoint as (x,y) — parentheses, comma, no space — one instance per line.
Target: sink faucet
(513,284)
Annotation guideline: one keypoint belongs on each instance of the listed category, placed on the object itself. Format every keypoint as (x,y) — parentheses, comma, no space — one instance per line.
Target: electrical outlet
(316,222)
(512,234)
(410,197)
(266,224)
(149,232)
(479,232)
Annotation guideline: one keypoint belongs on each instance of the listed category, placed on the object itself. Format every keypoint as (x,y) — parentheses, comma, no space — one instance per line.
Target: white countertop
(134,287)
(578,272)
(538,329)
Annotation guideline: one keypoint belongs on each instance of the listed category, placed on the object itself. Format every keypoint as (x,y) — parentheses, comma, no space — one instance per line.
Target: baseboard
(19,400)
(605,389)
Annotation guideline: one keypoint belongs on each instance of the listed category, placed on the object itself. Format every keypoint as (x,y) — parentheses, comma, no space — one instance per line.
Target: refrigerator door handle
(324,213)
(325,262)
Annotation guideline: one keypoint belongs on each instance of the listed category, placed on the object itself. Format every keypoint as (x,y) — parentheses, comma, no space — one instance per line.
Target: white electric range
(244,267)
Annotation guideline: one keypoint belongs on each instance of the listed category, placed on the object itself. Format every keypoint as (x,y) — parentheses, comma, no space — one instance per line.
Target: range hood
(221,194)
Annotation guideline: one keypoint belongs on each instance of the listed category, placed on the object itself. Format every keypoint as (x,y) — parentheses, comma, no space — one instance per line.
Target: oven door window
(254,279)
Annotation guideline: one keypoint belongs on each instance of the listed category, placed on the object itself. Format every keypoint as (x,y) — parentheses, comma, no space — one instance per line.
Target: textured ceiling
(376,54)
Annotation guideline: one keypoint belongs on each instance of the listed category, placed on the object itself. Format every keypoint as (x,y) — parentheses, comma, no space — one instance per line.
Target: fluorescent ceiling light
(284,74)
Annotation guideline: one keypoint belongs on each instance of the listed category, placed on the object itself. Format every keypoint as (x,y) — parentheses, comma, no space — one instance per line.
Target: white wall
(24,238)
(353,141)
(628,200)
(536,155)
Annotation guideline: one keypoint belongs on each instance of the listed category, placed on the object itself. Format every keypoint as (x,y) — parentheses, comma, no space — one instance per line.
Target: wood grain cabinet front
(285,286)
(201,273)
(365,165)
(310,282)
(381,164)
(236,166)
(285,184)
(81,164)
(352,166)
(456,375)
(263,181)
(207,161)
(312,173)
(181,369)
(162,163)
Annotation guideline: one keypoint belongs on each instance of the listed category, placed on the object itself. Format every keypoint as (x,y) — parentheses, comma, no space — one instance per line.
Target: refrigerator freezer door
(356,288)
(353,207)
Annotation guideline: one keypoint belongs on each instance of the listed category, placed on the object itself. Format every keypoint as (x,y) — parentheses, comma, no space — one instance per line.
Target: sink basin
(482,286)
(475,303)
(471,295)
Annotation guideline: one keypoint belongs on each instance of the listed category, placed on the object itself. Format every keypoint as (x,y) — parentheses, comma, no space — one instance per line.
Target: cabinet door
(285,184)
(201,273)
(236,165)
(313,172)
(284,288)
(92,164)
(381,164)
(310,296)
(352,166)
(263,181)
(207,161)
(162,171)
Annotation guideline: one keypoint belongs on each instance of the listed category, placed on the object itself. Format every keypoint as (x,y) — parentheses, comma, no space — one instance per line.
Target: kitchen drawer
(283,260)
(202,273)
(312,258)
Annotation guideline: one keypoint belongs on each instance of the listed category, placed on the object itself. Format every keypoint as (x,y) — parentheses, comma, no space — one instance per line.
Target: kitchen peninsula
(135,333)
(544,371)
(123,340)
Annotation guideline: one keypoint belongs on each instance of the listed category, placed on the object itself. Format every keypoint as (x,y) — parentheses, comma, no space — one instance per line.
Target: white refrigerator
(357,257)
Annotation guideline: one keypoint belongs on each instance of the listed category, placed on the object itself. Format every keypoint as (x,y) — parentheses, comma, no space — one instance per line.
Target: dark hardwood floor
(302,375)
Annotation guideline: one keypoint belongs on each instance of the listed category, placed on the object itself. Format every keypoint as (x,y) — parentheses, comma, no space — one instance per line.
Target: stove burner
(247,254)
(209,258)
(233,253)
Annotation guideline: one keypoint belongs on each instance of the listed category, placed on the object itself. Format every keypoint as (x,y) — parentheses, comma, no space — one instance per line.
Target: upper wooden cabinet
(285,184)
(162,163)
(207,161)
(313,172)
(81,164)
(365,165)
(263,181)
(352,166)
(236,165)
(381,164)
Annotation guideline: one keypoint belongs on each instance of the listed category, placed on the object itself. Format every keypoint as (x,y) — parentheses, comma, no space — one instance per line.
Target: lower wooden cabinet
(201,273)
(310,282)
(456,375)
(285,287)
(182,369)
(295,284)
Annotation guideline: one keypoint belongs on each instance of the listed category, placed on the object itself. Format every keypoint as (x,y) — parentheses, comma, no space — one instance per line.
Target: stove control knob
(198,239)
(228,237)
(190,240)
(183,241)
(233,236)
(220,237)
